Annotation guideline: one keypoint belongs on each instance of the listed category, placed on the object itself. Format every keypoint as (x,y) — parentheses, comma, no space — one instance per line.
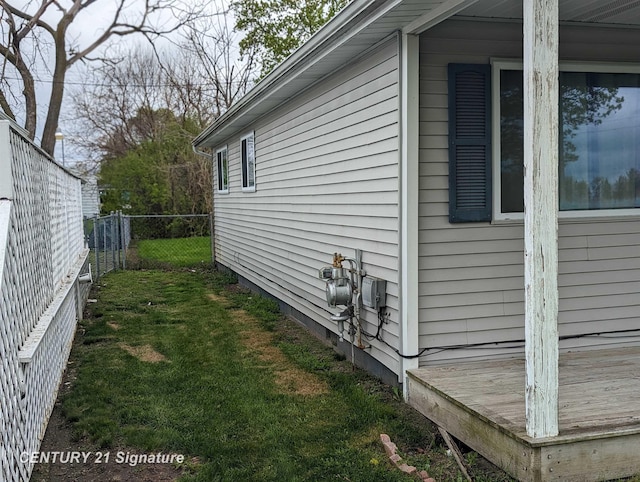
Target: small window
(223,170)
(247,148)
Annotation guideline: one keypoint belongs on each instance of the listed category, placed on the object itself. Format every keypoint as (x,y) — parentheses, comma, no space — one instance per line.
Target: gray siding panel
(90,198)
(326,181)
(471,276)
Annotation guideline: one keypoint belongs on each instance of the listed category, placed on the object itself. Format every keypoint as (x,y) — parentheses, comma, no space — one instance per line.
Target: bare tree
(36,34)
(116,107)
(140,114)
(213,45)
(118,104)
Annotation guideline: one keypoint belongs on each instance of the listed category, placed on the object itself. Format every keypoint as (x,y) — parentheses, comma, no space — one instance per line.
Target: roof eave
(324,40)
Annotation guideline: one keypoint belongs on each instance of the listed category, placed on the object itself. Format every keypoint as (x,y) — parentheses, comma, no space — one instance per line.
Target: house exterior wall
(472,274)
(326,181)
(90,198)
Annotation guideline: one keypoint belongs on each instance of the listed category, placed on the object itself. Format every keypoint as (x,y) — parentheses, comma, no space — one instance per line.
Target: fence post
(123,241)
(104,246)
(118,239)
(6,180)
(96,245)
(113,237)
(213,242)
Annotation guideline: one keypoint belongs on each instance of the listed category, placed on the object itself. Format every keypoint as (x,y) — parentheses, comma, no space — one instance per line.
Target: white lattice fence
(41,255)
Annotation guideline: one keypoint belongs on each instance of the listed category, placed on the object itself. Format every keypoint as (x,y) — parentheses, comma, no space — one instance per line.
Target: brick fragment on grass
(391,448)
(396,459)
(407,469)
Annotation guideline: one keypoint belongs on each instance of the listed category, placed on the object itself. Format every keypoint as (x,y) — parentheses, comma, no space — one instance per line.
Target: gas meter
(339,290)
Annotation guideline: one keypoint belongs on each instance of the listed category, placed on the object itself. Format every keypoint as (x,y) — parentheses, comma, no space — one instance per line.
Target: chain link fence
(105,237)
(119,241)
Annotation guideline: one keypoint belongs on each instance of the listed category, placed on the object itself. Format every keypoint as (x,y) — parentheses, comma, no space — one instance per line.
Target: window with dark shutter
(469,143)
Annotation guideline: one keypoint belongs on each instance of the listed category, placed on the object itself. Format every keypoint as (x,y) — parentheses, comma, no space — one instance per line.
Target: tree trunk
(57,92)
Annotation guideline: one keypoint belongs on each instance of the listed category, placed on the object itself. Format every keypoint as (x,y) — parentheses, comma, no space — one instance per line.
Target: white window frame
(251,155)
(565,66)
(221,187)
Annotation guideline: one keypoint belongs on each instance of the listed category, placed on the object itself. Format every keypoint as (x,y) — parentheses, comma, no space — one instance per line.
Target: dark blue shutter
(243,148)
(469,143)
(220,167)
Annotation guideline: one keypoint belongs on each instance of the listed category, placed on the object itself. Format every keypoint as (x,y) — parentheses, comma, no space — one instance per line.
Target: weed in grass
(303,357)
(263,309)
(219,280)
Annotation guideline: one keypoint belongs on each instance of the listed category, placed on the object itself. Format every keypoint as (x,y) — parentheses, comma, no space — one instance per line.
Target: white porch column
(409,99)
(540,30)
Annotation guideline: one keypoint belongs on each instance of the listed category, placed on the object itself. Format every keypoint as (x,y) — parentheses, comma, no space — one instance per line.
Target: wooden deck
(482,405)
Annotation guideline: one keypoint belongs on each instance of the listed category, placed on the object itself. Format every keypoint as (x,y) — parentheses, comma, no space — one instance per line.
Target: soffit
(611,12)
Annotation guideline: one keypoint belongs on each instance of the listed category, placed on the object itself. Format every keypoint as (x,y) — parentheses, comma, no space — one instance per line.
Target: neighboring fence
(107,238)
(119,241)
(42,255)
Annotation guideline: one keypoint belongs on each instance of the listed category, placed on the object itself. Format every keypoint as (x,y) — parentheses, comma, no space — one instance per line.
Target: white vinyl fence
(42,255)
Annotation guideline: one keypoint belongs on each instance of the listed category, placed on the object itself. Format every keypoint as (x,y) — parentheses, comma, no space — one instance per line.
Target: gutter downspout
(212,224)
(409,60)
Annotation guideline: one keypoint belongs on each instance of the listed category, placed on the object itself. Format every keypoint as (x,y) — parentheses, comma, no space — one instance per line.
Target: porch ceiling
(612,12)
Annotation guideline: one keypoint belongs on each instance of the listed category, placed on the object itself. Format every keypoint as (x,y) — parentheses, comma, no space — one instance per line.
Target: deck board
(599,409)
(595,387)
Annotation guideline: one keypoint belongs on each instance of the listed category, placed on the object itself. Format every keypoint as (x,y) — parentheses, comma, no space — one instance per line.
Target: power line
(140,86)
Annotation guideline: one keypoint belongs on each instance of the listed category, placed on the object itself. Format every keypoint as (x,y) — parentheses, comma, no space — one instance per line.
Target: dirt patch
(289,378)
(260,342)
(218,299)
(113,325)
(144,353)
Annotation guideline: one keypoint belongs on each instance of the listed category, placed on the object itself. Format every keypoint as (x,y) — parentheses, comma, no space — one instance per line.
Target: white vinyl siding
(472,274)
(90,198)
(328,182)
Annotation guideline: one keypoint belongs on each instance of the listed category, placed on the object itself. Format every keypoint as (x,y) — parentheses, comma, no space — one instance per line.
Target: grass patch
(177,252)
(173,362)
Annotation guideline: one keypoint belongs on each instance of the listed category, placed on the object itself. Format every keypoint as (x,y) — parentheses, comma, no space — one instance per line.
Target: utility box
(374,292)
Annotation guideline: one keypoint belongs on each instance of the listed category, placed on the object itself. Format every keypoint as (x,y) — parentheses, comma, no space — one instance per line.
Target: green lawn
(178,362)
(179,252)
